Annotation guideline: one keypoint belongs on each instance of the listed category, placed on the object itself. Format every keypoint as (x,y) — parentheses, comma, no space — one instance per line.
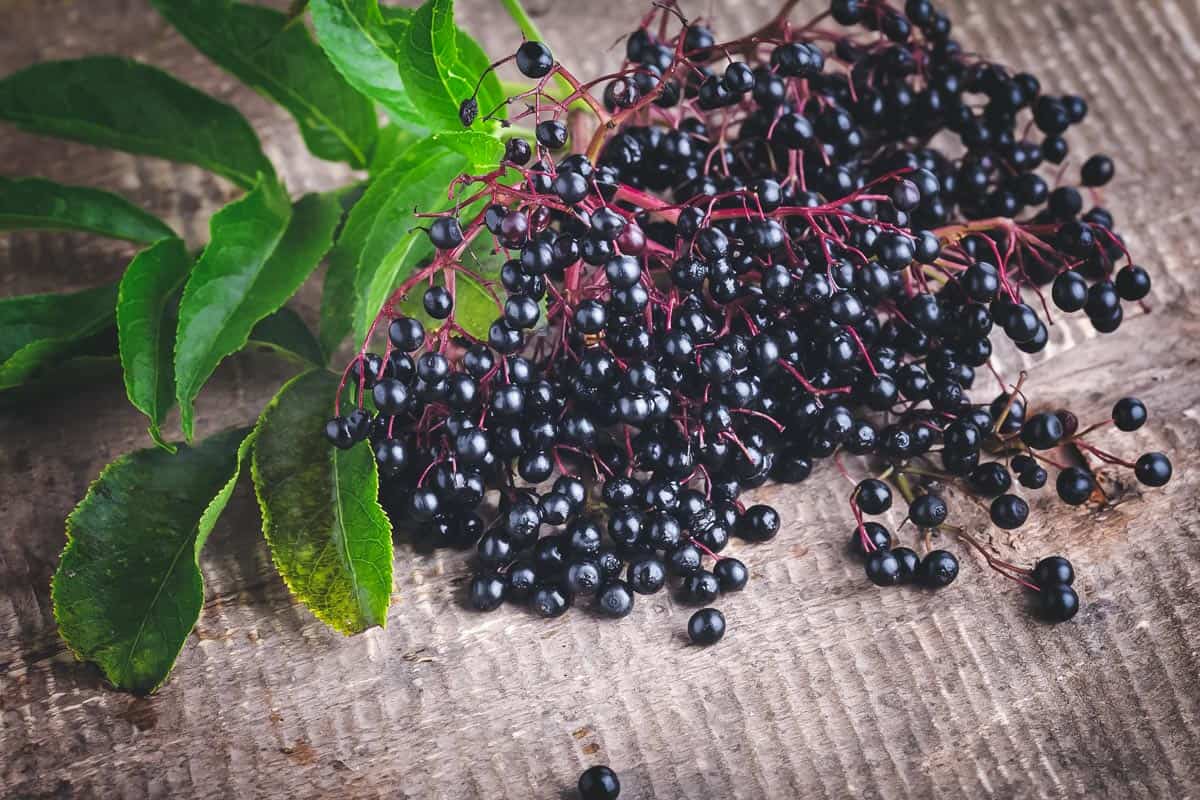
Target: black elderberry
(1129,414)
(1057,602)
(760,523)
(706,626)
(646,574)
(873,496)
(1132,283)
(534,60)
(928,511)
(1009,511)
(1052,571)
(1074,486)
(883,568)
(487,591)
(445,233)
(550,601)
(938,569)
(1153,469)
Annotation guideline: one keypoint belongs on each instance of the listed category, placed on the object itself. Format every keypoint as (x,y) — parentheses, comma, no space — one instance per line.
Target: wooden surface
(824,686)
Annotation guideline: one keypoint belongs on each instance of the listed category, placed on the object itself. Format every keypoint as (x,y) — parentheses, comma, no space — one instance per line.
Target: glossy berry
(615,599)
(706,626)
(487,591)
(879,537)
(910,563)
(873,496)
(445,233)
(1153,469)
(883,568)
(549,601)
(1057,602)
(1129,414)
(938,569)
(731,574)
(1009,511)
(1053,570)
(534,60)
(1074,486)
(599,783)
(928,511)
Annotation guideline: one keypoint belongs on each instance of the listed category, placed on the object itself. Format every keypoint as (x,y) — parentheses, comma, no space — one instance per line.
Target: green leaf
(360,42)
(124,105)
(474,62)
(35,329)
(146,327)
(338,300)
(285,333)
(483,151)
(281,61)
(395,243)
(38,204)
(128,589)
(393,142)
(255,260)
(329,538)
(430,64)
(474,308)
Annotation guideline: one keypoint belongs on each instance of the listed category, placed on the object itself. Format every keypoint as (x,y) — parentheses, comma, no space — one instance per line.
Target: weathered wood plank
(824,687)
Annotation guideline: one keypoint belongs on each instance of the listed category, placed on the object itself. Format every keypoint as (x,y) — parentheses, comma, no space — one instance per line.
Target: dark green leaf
(329,538)
(395,243)
(280,60)
(35,329)
(128,589)
(255,260)
(285,333)
(37,204)
(393,141)
(436,79)
(112,102)
(146,327)
(338,301)
(359,41)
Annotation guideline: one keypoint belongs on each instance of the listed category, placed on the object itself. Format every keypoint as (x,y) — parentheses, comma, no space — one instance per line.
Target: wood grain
(824,687)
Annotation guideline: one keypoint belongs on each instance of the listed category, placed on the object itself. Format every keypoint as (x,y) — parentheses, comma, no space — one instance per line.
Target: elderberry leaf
(37,329)
(287,334)
(146,327)
(38,204)
(259,253)
(113,102)
(474,62)
(483,151)
(360,41)
(433,68)
(396,242)
(128,589)
(278,58)
(337,298)
(393,141)
(329,537)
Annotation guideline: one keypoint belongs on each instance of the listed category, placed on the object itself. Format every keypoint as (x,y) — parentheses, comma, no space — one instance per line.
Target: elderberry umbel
(752,260)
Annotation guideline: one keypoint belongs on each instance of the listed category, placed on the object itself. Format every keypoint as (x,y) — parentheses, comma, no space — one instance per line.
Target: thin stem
(530,29)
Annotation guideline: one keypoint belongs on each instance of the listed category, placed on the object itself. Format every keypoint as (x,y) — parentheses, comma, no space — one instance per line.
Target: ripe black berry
(883,568)
(1153,469)
(534,60)
(1074,486)
(487,591)
(873,496)
(938,569)
(1057,602)
(1053,570)
(928,511)
(706,626)
(1009,511)
(1129,414)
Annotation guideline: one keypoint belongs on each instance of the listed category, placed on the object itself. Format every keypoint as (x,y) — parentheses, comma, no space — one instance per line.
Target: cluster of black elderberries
(757,261)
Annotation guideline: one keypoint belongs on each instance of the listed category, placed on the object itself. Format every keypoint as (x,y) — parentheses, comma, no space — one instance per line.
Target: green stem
(530,29)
